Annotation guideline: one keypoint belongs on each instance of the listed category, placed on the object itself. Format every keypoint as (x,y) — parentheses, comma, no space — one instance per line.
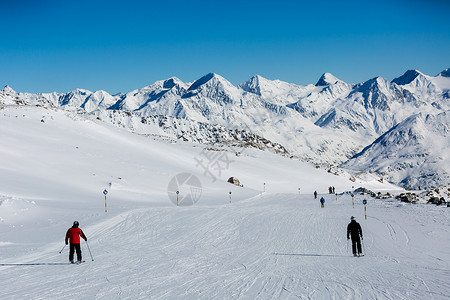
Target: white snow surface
(272,244)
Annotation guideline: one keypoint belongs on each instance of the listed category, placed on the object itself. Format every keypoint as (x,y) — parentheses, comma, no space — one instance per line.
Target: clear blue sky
(118,46)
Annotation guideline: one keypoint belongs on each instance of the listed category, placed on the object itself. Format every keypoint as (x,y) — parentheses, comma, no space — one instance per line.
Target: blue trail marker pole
(177,196)
(105,192)
(365,210)
(353,200)
(230,197)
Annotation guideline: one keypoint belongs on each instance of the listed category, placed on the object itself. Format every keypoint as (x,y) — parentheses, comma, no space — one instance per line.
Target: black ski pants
(356,244)
(73,248)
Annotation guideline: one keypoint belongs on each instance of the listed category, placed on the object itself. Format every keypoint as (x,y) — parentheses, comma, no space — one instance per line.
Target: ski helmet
(75,223)
(352,218)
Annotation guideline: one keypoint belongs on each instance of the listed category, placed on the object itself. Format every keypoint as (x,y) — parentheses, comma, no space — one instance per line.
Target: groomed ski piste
(264,241)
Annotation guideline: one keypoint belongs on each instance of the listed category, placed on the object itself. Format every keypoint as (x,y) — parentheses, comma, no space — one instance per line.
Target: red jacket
(73,235)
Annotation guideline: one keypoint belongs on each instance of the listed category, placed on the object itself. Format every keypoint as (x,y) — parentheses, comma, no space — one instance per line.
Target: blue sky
(117,46)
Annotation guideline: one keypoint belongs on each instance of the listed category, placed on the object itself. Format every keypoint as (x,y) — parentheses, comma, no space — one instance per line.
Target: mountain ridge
(325,123)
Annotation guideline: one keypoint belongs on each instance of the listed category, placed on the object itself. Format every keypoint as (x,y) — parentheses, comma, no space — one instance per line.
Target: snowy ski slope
(277,244)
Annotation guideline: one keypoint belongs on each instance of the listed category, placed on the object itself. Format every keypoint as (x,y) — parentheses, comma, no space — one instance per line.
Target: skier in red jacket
(73,235)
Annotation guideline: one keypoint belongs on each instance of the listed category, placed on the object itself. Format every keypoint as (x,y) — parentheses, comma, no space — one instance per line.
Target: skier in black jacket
(354,230)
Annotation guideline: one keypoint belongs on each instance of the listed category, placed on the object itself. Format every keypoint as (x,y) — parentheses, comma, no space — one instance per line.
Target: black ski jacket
(354,230)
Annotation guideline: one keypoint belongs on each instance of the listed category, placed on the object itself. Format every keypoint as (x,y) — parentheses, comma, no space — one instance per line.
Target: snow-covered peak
(101,94)
(254,84)
(201,81)
(327,79)
(408,77)
(206,98)
(158,86)
(8,90)
(416,82)
(74,98)
(275,91)
(376,92)
(98,100)
(210,79)
(79,91)
(445,73)
(377,82)
(144,99)
(213,87)
(172,82)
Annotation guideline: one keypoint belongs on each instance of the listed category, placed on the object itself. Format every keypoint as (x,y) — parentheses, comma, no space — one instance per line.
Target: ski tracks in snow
(281,246)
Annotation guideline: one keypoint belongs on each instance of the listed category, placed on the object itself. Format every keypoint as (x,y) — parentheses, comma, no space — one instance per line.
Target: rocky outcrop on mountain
(186,130)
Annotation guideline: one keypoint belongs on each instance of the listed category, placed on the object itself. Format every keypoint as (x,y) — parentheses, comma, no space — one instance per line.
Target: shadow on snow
(35,264)
(310,254)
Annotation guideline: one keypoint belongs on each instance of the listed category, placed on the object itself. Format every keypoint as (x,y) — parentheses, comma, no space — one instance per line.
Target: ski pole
(363,246)
(89,250)
(62,249)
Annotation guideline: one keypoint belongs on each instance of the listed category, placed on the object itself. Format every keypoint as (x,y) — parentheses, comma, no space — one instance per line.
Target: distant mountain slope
(413,153)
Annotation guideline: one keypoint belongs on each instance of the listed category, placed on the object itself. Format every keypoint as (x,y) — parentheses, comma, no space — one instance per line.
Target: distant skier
(322,202)
(354,230)
(315,194)
(73,235)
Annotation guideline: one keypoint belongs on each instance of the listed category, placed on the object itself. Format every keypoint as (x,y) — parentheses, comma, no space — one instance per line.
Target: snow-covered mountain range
(401,126)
